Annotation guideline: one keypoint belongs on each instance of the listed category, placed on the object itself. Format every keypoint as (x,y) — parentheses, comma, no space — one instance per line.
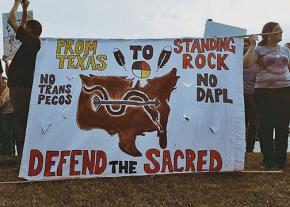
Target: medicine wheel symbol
(141,69)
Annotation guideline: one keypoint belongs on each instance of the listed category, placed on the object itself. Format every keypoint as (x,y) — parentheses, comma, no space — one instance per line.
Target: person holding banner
(21,69)
(251,115)
(272,90)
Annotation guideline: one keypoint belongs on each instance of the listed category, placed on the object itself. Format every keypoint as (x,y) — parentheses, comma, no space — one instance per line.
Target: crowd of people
(266,90)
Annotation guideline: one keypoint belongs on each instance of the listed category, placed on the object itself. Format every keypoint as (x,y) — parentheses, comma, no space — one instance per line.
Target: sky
(128,19)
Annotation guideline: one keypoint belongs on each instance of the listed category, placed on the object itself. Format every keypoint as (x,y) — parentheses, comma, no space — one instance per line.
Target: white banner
(109,108)
(214,29)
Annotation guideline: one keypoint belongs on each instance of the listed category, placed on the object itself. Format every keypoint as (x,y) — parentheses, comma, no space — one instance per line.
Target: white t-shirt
(272,70)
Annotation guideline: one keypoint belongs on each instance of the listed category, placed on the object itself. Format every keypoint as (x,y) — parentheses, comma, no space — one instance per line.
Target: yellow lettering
(79,48)
(68,47)
(60,44)
(81,60)
(91,46)
(102,66)
(91,61)
(70,64)
(61,58)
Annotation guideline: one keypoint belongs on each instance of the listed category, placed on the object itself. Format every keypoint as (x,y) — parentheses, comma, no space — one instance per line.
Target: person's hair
(268,27)
(35,27)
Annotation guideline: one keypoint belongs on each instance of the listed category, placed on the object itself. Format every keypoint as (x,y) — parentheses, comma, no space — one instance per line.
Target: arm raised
(25,5)
(12,21)
(250,56)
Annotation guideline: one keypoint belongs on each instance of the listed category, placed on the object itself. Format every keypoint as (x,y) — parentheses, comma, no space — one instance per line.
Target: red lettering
(225,44)
(200,160)
(200,61)
(62,161)
(74,162)
(178,49)
(49,162)
(209,60)
(88,163)
(155,163)
(231,47)
(221,61)
(35,154)
(166,161)
(205,45)
(177,154)
(190,156)
(195,45)
(213,44)
(187,41)
(215,156)
(101,158)
(186,59)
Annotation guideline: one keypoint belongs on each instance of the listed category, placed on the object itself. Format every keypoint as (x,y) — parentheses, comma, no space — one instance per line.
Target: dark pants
(20,98)
(274,109)
(7,134)
(251,118)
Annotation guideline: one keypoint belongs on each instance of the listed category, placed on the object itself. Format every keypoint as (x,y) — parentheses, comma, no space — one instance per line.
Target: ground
(223,189)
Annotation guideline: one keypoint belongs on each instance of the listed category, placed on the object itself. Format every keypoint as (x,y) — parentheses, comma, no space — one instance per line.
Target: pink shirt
(250,79)
(272,69)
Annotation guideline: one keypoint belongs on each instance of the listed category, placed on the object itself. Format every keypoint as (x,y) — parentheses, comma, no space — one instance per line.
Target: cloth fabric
(21,69)
(251,118)
(250,79)
(272,71)
(273,106)
(7,134)
(20,99)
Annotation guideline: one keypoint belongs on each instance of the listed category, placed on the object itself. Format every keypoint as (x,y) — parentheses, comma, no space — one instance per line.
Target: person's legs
(281,129)
(267,128)
(14,132)
(6,134)
(251,121)
(281,143)
(246,119)
(264,105)
(20,98)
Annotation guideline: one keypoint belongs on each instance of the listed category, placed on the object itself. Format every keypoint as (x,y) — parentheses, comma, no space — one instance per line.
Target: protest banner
(110,108)
(10,43)
(215,29)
